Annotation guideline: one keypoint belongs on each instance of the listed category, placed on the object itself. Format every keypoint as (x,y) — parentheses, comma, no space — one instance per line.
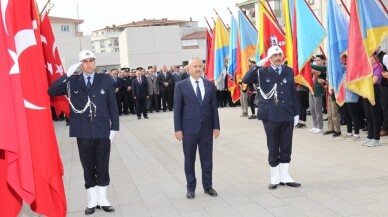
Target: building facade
(69,39)
(149,42)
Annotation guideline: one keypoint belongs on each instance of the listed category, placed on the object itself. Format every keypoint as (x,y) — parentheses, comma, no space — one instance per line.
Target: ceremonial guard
(94,119)
(278,108)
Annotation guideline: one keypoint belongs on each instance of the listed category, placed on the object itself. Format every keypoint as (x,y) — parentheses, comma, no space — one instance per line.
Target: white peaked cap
(85,54)
(274,50)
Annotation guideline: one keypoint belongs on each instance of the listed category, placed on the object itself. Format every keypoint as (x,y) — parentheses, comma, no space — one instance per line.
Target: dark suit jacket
(287,106)
(118,83)
(103,119)
(139,90)
(189,114)
(162,79)
(185,75)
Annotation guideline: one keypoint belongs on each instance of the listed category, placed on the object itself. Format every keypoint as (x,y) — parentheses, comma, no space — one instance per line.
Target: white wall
(70,47)
(144,46)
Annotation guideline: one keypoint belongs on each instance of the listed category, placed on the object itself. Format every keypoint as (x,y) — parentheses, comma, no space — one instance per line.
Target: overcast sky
(100,13)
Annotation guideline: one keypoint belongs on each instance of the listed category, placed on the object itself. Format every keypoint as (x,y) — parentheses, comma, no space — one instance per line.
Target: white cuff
(112,134)
(296,120)
(263,61)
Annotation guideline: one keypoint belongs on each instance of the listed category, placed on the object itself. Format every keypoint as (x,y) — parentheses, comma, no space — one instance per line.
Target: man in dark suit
(117,85)
(279,111)
(94,121)
(196,121)
(165,87)
(140,94)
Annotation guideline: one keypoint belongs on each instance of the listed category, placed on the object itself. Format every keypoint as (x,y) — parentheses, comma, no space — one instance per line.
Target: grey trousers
(316,111)
(244,102)
(333,119)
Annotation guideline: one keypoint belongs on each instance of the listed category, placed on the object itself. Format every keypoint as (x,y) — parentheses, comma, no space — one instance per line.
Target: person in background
(315,99)
(372,112)
(140,94)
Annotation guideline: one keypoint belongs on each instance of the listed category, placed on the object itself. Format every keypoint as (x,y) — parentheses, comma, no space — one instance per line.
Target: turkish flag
(17,181)
(209,68)
(54,67)
(24,48)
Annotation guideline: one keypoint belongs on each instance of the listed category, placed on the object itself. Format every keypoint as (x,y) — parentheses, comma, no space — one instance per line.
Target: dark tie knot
(197,82)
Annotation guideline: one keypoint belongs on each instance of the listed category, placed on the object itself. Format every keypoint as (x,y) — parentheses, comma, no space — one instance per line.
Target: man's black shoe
(211,192)
(272,186)
(336,134)
(328,132)
(146,117)
(89,211)
(106,208)
(138,117)
(190,195)
(291,184)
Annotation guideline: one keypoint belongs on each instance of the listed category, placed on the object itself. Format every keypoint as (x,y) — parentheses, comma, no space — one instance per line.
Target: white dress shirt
(201,86)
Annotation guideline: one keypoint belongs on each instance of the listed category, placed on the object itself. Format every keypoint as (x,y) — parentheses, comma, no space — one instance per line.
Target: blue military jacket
(94,122)
(287,105)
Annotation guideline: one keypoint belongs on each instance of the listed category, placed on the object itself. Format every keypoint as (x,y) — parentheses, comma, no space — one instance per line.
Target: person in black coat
(94,121)
(165,87)
(278,108)
(140,94)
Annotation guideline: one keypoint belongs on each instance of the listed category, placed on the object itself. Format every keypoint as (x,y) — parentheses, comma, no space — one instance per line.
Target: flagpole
(346,9)
(220,18)
(214,21)
(383,5)
(272,14)
(247,18)
(211,30)
(48,4)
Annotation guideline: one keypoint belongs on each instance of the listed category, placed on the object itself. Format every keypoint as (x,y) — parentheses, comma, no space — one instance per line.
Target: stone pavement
(338,178)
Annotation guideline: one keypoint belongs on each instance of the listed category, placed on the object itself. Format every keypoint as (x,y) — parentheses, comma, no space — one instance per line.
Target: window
(65,28)
(116,42)
(189,43)
(102,44)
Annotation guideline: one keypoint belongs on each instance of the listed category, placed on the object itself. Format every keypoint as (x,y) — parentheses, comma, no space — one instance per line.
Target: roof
(144,23)
(195,35)
(64,20)
(153,22)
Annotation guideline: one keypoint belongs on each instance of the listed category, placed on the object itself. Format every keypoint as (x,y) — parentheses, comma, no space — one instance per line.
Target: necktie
(277,70)
(139,79)
(199,95)
(89,84)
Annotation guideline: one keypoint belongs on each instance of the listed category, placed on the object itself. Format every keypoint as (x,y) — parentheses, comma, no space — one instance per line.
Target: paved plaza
(338,178)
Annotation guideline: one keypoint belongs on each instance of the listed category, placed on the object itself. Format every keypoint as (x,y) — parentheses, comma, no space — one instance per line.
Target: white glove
(112,134)
(296,120)
(262,62)
(72,69)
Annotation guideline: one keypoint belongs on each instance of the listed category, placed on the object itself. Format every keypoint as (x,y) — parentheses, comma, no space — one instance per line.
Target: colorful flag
(248,40)
(22,40)
(269,34)
(53,64)
(359,69)
(338,32)
(209,68)
(221,48)
(234,68)
(373,22)
(310,32)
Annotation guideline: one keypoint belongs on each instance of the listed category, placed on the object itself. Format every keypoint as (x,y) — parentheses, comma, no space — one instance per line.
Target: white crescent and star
(23,39)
